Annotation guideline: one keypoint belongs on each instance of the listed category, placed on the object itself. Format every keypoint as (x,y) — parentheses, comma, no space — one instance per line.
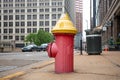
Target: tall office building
(79,14)
(79,21)
(18,18)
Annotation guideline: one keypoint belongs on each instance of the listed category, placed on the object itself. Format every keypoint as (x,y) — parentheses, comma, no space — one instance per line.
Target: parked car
(29,48)
(42,47)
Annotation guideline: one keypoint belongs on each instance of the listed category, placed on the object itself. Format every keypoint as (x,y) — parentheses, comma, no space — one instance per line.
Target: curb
(8,77)
(43,65)
(17,74)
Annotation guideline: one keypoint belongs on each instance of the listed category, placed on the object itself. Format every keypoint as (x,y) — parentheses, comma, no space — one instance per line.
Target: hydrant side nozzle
(52,49)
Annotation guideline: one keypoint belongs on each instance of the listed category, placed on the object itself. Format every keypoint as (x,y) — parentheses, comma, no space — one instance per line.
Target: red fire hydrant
(62,48)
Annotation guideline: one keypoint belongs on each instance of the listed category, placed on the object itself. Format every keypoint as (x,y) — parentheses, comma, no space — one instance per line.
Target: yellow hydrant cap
(64,25)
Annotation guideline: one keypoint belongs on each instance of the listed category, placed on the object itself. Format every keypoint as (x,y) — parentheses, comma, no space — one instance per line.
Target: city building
(79,21)
(107,19)
(18,18)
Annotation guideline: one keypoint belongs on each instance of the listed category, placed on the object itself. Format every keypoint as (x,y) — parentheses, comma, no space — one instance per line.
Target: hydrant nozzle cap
(64,25)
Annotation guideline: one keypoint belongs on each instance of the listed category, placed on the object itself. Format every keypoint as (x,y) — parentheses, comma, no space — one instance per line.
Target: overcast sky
(86,16)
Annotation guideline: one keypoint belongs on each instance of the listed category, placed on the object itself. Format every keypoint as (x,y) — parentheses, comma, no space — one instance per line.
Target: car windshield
(43,45)
(29,46)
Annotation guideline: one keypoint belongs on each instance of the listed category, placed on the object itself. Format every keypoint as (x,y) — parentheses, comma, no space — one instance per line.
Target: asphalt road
(15,60)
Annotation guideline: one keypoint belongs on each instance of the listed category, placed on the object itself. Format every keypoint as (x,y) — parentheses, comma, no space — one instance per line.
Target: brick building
(108,19)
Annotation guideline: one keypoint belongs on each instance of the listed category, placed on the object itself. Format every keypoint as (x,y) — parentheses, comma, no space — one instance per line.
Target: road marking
(9,77)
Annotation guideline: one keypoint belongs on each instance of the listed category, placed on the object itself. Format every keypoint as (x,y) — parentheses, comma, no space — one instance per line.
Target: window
(59,16)
(10,37)
(34,30)
(22,10)
(0,30)
(41,23)
(10,17)
(10,11)
(29,17)
(17,17)
(34,4)
(46,16)
(17,38)
(47,10)
(5,17)
(59,9)
(16,23)
(46,23)
(28,30)
(41,16)
(53,3)
(22,23)
(41,10)
(10,24)
(16,30)
(53,9)
(5,11)
(5,31)
(22,17)
(34,10)
(5,24)
(47,4)
(41,4)
(28,23)
(10,30)
(47,29)
(5,37)
(0,17)
(34,16)
(53,16)
(53,23)
(17,11)
(22,37)
(29,4)
(59,3)
(0,24)
(29,10)
(34,23)
(22,30)
(10,5)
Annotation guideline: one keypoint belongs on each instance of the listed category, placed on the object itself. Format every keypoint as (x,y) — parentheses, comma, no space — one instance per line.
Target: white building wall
(18,5)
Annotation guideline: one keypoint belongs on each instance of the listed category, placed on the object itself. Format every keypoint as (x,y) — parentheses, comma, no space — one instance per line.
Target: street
(9,61)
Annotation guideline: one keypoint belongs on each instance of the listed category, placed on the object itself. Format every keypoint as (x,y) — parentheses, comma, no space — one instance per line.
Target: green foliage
(39,38)
(30,37)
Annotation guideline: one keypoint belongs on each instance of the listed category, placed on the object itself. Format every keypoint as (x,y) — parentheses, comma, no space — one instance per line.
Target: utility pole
(81,43)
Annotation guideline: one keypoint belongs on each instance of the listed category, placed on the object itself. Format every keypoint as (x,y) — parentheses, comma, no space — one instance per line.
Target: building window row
(20,5)
(8,11)
(8,31)
(29,23)
(19,0)
(31,30)
(22,30)
(17,38)
(33,10)
(31,4)
(7,5)
(6,24)
(7,0)
(30,17)
(7,37)
(31,0)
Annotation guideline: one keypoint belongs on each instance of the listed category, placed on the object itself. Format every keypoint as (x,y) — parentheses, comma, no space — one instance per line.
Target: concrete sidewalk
(86,67)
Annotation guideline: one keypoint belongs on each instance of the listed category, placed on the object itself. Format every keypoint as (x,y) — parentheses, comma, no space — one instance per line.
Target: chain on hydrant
(62,48)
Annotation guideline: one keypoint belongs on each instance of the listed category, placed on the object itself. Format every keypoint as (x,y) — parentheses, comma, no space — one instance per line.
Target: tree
(44,37)
(30,37)
(39,38)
